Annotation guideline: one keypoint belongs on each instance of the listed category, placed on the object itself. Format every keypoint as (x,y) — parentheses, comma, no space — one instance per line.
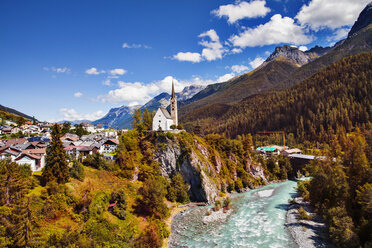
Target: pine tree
(137,120)
(56,168)
(147,120)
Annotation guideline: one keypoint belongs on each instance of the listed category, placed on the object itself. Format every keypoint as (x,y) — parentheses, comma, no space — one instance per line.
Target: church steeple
(173,94)
(173,103)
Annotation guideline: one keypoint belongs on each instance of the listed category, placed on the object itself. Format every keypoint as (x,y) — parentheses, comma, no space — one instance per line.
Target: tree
(33,120)
(147,120)
(151,198)
(177,191)
(77,171)
(119,198)
(66,127)
(137,120)
(56,168)
(16,218)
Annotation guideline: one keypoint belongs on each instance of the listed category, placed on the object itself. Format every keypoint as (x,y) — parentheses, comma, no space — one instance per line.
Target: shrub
(119,198)
(217,205)
(177,190)
(303,215)
(173,127)
(77,171)
(227,203)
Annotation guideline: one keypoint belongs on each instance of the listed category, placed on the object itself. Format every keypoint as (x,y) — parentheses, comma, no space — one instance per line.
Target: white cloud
(319,14)
(235,12)
(118,71)
(57,69)
(236,50)
(213,49)
(72,115)
(93,71)
(139,93)
(225,77)
(239,68)
(277,30)
(188,56)
(256,62)
(126,45)
(339,34)
(303,48)
(78,94)
(267,53)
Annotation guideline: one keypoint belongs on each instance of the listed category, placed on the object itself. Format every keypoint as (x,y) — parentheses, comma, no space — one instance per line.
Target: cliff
(206,169)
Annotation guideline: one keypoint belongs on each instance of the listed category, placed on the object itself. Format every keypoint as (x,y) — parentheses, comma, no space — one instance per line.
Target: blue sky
(67,60)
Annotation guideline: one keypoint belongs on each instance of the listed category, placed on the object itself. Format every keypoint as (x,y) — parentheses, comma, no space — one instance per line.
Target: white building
(36,163)
(163,120)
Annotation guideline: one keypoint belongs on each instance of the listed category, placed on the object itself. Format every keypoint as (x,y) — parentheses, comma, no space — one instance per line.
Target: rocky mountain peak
(292,53)
(364,19)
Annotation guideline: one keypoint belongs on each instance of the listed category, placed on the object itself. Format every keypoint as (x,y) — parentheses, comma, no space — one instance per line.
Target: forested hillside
(278,74)
(336,97)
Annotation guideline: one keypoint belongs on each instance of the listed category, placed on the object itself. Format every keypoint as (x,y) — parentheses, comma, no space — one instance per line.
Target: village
(31,149)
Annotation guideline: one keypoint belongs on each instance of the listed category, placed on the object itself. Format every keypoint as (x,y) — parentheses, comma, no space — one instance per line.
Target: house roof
(35,151)
(114,141)
(11,152)
(266,149)
(16,141)
(294,150)
(80,148)
(165,113)
(33,156)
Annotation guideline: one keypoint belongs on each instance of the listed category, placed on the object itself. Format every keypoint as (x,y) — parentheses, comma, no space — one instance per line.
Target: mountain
(364,19)
(75,122)
(118,116)
(16,112)
(122,117)
(280,71)
(338,96)
(292,53)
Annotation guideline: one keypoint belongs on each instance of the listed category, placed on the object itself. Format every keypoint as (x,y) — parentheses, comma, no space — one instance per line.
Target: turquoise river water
(257,220)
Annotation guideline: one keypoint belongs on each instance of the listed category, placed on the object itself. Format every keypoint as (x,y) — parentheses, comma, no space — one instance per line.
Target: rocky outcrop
(200,167)
(192,168)
(292,53)
(364,20)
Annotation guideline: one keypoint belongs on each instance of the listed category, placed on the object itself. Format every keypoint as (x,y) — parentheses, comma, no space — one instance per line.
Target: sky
(76,59)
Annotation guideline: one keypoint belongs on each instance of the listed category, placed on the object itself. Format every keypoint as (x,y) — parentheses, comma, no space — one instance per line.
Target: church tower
(173,105)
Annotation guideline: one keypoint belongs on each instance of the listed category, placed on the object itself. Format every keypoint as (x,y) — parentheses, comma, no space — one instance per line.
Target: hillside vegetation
(278,74)
(93,203)
(336,97)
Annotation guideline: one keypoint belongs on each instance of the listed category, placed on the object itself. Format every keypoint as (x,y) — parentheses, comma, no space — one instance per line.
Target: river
(257,220)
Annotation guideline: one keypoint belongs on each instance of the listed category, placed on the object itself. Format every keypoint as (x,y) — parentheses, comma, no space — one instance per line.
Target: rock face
(200,167)
(293,53)
(192,169)
(116,116)
(364,19)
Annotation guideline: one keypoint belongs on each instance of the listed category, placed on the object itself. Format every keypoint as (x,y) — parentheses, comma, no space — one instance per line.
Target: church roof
(166,113)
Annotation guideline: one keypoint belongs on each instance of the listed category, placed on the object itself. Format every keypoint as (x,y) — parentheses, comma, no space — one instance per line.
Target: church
(163,120)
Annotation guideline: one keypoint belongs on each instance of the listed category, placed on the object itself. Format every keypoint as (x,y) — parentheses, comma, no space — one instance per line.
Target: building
(163,120)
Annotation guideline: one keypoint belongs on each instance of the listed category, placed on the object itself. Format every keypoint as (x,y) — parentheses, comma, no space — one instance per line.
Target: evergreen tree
(56,168)
(137,120)
(120,199)
(147,120)
(66,127)
(151,201)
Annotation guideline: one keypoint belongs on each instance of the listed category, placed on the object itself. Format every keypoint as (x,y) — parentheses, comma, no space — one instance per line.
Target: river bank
(256,219)
(307,233)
